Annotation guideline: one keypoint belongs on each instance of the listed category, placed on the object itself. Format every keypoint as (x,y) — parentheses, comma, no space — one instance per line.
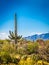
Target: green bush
(5,57)
(35,57)
(32,48)
(26,53)
(21,50)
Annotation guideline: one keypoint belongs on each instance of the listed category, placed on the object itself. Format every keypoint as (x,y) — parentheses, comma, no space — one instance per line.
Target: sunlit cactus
(13,35)
(15,23)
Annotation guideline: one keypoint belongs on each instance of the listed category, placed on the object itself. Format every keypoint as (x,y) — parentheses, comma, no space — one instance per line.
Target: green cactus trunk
(15,23)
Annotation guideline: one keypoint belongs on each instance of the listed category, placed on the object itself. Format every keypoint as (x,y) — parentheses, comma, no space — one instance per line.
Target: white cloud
(33,33)
(36,33)
(3,35)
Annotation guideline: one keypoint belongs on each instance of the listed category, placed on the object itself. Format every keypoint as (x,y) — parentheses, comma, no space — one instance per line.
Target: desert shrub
(21,62)
(27,53)
(21,50)
(15,58)
(27,61)
(1,41)
(24,57)
(7,47)
(47,52)
(40,62)
(46,42)
(44,52)
(5,57)
(32,48)
(35,57)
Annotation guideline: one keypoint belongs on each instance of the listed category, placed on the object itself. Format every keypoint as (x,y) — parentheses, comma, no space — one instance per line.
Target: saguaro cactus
(15,28)
(13,35)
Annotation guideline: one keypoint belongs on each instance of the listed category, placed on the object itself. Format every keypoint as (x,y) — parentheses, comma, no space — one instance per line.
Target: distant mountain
(44,36)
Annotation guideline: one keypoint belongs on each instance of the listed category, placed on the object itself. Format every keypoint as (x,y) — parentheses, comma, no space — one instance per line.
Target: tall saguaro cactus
(15,23)
(13,35)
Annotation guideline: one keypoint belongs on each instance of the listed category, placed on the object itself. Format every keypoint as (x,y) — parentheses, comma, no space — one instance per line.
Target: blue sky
(32,16)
